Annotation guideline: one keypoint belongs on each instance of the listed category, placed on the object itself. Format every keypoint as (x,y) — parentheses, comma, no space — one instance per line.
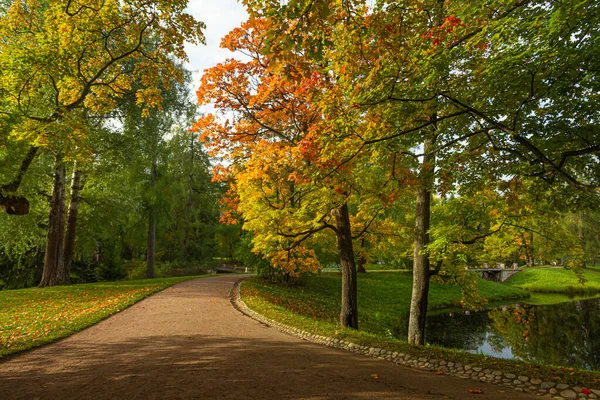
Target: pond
(565,333)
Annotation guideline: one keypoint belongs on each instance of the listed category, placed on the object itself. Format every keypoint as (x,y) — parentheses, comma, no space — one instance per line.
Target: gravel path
(188,342)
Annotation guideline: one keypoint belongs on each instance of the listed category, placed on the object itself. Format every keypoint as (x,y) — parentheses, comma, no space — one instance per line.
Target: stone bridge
(495,274)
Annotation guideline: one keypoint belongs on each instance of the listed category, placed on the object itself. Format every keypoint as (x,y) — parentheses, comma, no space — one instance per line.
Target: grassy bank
(34,317)
(384,298)
(383,304)
(556,280)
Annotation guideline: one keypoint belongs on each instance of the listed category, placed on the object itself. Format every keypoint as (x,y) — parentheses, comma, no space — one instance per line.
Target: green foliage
(117,196)
(244,254)
(22,238)
(176,268)
(110,273)
(34,317)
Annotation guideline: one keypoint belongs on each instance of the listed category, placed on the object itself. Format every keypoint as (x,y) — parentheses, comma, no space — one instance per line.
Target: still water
(566,334)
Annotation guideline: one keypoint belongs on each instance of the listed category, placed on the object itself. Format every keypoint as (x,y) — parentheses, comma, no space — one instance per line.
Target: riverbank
(384,298)
(520,375)
(556,280)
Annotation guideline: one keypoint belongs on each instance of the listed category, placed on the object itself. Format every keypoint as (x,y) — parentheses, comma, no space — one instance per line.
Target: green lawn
(556,280)
(384,298)
(383,306)
(34,317)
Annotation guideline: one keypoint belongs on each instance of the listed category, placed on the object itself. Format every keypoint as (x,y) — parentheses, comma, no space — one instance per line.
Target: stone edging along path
(557,391)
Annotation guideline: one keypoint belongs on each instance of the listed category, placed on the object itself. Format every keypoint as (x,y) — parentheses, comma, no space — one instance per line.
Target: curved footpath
(188,342)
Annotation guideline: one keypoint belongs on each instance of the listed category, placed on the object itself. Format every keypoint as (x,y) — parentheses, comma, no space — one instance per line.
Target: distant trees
(112,218)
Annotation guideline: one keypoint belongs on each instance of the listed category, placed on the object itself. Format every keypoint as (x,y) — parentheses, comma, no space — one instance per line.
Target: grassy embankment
(384,300)
(34,317)
(556,280)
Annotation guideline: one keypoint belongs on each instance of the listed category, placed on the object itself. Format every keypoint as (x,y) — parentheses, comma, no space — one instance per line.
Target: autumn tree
(285,184)
(464,78)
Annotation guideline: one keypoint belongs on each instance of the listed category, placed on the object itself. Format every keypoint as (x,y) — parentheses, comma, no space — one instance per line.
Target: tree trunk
(53,259)
(151,228)
(98,256)
(361,261)
(188,205)
(529,251)
(421,273)
(183,251)
(76,187)
(349,313)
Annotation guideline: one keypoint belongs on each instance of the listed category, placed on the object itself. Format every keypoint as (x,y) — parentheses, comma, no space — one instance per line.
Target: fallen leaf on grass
(475,391)
(375,376)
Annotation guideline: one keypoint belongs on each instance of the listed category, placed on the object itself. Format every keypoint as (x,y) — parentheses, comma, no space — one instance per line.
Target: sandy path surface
(188,342)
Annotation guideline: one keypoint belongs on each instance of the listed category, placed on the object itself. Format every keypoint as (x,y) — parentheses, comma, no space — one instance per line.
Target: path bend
(188,342)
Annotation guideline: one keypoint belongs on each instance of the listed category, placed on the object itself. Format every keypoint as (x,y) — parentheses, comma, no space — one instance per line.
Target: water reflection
(565,334)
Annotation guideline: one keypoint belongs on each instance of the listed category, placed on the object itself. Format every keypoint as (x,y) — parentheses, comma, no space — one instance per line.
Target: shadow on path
(188,342)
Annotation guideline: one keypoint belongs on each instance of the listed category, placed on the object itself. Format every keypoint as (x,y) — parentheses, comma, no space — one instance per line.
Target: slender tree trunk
(151,228)
(98,256)
(361,261)
(530,253)
(421,273)
(349,313)
(188,205)
(186,230)
(53,273)
(76,187)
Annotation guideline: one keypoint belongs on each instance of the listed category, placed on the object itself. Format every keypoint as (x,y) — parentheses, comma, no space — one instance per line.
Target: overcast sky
(220,16)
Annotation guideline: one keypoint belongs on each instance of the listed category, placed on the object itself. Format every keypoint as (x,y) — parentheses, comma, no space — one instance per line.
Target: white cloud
(220,17)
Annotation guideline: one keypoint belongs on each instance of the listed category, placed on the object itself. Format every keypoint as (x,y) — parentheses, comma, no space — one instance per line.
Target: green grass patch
(384,300)
(37,316)
(556,280)
(545,299)
(384,267)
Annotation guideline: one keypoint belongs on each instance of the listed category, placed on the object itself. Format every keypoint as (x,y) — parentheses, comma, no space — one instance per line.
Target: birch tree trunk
(150,268)
(76,187)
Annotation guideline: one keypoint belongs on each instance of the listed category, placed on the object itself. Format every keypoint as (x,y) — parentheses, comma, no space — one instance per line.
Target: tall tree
(288,193)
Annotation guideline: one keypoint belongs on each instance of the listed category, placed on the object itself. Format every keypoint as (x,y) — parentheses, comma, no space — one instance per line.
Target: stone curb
(556,391)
